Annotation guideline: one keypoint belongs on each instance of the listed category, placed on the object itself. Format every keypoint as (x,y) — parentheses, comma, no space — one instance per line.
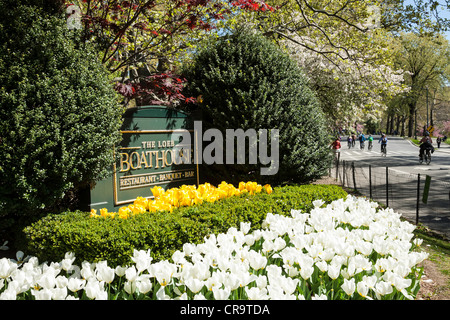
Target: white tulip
(59,293)
(87,270)
(75,284)
(221,294)
(131,274)
(306,272)
(362,289)
(130,287)
(8,295)
(256,293)
(199,296)
(120,271)
(349,286)
(334,271)
(94,289)
(142,259)
(382,288)
(104,273)
(6,268)
(161,294)
(143,284)
(195,285)
(68,260)
(43,294)
(245,227)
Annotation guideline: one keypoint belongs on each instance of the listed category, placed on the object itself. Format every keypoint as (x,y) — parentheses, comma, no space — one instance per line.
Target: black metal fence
(418,197)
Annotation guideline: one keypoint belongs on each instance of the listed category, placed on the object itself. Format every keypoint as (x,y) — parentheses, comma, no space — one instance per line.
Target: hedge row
(163,232)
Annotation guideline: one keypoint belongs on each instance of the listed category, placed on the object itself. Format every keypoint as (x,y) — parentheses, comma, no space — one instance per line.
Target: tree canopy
(426,60)
(345,47)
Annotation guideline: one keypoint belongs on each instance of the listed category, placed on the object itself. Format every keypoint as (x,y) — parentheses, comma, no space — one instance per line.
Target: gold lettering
(150,157)
(160,159)
(171,157)
(144,160)
(138,160)
(124,161)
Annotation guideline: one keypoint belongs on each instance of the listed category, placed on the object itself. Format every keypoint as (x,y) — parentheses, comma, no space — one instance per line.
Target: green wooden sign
(157,149)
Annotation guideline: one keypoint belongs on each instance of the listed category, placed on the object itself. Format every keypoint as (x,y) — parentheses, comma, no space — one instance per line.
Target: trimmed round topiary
(247,82)
(60,116)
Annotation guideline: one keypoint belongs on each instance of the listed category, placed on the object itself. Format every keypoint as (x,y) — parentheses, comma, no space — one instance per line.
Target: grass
(417,141)
(438,249)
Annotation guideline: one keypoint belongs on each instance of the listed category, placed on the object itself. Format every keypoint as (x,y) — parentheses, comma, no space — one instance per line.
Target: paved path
(403,156)
(404,168)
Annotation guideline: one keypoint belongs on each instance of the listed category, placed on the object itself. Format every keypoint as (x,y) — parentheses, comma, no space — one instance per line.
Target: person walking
(438,141)
(336,147)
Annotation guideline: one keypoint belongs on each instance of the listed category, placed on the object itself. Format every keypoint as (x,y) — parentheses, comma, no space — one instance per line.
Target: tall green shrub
(59,114)
(247,82)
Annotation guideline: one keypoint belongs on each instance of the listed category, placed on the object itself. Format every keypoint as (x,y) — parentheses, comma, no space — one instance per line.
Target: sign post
(426,189)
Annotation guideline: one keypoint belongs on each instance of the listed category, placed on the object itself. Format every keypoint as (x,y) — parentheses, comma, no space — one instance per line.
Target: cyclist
(362,138)
(384,141)
(349,140)
(353,139)
(370,142)
(426,143)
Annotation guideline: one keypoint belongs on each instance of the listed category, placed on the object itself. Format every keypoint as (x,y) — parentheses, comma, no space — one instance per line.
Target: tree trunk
(391,127)
(412,109)
(431,112)
(387,123)
(397,125)
(403,120)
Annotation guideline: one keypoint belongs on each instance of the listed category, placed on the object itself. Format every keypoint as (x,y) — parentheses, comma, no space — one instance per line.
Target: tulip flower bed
(348,249)
(184,196)
(114,239)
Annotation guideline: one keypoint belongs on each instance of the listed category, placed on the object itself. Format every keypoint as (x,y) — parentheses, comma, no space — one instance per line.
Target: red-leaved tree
(142,41)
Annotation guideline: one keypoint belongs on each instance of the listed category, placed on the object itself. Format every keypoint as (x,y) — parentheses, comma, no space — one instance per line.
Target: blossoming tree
(345,46)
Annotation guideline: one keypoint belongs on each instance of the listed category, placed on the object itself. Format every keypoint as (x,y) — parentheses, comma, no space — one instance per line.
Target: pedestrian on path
(438,141)
(336,147)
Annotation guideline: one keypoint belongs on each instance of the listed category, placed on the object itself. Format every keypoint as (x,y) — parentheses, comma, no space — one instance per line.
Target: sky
(443,13)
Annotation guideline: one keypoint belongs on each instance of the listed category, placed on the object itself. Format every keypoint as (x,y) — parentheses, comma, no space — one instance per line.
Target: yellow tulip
(157,191)
(141,201)
(268,188)
(104,212)
(123,215)
(186,195)
(93,214)
(124,210)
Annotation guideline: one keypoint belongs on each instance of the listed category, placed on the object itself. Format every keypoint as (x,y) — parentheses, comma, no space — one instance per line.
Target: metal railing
(417,197)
